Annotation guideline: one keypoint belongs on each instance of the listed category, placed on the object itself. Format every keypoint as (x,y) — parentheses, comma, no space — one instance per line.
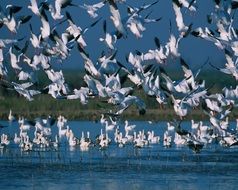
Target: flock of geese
(53,39)
(39,135)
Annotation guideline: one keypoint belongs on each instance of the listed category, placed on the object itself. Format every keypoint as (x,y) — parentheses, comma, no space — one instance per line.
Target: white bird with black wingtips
(92,9)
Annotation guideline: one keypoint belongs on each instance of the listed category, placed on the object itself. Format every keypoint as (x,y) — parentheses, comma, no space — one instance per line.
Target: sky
(194,50)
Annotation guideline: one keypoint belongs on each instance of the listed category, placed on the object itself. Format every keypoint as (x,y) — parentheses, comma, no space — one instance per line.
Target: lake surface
(151,167)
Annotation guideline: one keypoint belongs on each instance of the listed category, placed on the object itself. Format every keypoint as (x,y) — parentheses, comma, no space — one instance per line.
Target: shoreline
(153,115)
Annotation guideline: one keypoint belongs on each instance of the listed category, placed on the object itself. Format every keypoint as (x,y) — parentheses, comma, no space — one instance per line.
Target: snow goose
(116,18)
(109,39)
(16,139)
(85,142)
(35,41)
(72,139)
(104,141)
(34,7)
(230,66)
(81,94)
(92,9)
(128,127)
(45,29)
(56,142)
(167,139)
(128,101)
(4,140)
(179,140)
(11,118)
(14,60)
(109,127)
(152,138)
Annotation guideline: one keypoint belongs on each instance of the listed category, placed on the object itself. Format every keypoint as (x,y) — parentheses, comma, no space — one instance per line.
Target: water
(152,167)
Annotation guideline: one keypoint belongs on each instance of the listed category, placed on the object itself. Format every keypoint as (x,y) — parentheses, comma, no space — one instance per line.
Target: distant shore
(131,114)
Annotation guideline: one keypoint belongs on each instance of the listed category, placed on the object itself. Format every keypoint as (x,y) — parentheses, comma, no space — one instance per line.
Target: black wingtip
(94,23)
(177,3)
(213,66)
(195,33)
(217,2)
(209,19)
(191,3)
(105,26)
(157,42)
(183,63)
(188,30)
(138,52)
(68,16)
(227,52)
(234,4)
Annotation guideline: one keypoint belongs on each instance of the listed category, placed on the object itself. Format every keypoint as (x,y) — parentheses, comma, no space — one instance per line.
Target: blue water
(152,167)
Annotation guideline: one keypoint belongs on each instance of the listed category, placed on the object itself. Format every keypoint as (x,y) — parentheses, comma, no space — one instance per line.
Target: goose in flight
(55,76)
(88,64)
(177,5)
(38,60)
(23,90)
(230,94)
(190,76)
(35,41)
(231,67)
(59,5)
(186,85)
(8,18)
(113,82)
(181,107)
(58,85)
(81,94)
(157,54)
(130,100)
(77,32)
(55,90)
(31,76)
(179,17)
(14,60)
(10,23)
(177,87)
(208,35)
(172,46)
(110,40)
(3,69)
(136,24)
(116,18)
(34,7)
(117,96)
(45,28)
(133,21)
(188,5)
(109,65)
(3,43)
(92,9)
(234,47)
(213,105)
(61,46)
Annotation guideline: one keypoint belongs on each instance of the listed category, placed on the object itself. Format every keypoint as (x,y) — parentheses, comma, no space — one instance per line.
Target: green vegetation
(44,105)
